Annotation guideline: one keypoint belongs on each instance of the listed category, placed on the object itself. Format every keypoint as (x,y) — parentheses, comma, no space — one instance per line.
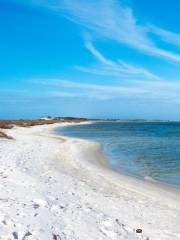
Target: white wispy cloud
(114,20)
(152,90)
(110,19)
(68,88)
(64,94)
(166,36)
(87,86)
(117,68)
(150,85)
(97,54)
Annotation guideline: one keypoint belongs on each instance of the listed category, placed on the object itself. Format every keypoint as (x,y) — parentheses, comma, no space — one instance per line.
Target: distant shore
(54,187)
(8,124)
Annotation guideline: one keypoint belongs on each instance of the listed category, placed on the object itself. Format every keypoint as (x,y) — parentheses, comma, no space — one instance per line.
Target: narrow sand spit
(60,188)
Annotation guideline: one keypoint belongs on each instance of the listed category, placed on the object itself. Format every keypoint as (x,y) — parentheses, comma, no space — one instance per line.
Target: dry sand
(54,187)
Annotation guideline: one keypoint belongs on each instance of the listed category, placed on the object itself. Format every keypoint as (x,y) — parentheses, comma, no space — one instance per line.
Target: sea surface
(139,149)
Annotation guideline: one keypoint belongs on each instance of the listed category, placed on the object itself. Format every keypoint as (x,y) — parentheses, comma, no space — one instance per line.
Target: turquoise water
(139,149)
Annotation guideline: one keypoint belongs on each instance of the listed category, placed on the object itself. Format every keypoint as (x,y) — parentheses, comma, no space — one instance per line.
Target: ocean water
(138,149)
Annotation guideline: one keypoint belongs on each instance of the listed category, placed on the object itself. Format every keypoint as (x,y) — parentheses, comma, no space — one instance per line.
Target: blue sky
(103,58)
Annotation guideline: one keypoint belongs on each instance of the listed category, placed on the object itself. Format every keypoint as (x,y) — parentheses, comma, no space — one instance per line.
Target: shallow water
(139,149)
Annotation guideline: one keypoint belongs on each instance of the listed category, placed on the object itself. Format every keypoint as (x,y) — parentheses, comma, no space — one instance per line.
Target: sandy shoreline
(91,152)
(52,188)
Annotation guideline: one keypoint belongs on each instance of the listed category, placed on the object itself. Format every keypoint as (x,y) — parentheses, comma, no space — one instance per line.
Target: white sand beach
(60,188)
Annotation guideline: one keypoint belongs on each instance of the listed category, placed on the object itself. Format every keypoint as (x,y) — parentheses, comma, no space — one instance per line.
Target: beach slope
(54,187)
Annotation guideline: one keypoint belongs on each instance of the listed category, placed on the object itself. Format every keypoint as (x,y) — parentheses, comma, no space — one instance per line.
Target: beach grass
(8,124)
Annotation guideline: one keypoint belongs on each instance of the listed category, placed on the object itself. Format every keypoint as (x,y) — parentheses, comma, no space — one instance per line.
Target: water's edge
(107,158)
(90,154)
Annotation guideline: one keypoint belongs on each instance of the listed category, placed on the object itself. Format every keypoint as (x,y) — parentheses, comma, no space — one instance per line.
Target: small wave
(149,178)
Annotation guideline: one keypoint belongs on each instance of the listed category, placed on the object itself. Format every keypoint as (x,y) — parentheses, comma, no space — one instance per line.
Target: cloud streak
(116,22)
(166,36)
(113,20)
(87,86)
(161,90)
(119,68)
